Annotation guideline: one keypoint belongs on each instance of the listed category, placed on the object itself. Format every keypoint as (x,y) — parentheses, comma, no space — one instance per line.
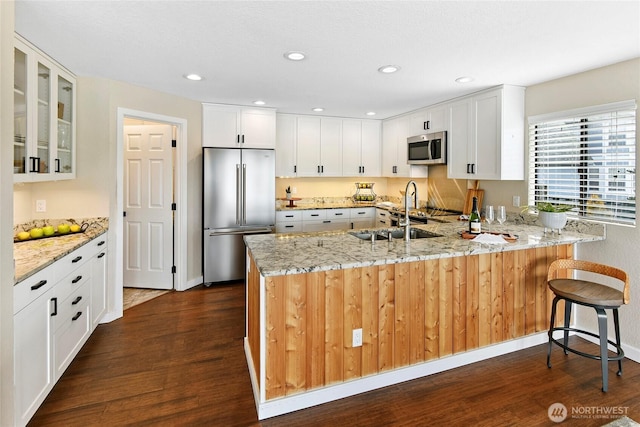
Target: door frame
(180,198)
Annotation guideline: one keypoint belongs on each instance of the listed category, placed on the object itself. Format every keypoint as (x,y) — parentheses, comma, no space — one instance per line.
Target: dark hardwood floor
(179,360)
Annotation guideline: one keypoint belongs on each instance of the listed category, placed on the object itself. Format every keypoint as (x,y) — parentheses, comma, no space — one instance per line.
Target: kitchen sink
(367,236)
(414,233)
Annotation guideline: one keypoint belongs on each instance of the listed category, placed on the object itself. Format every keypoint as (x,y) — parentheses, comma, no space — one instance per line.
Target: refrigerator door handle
(264,230)
(238,198)
(244,193)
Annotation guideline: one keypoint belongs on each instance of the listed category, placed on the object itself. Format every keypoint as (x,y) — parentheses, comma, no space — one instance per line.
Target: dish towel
(492,239)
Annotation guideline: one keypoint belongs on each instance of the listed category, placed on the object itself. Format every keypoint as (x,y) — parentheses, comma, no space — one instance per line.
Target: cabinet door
(331,147)
(220,126)
(371,143)
(99,285)
(258,128)
(308,146)
(437,118)
(285,145)
(351,147)
(416,124)
(459,140)
(65,153)
(21,108)
(486,121)
(389,147)
(402,133)
(32,351)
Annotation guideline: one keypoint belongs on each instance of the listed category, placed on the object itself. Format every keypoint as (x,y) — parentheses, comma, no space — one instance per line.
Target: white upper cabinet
(286,145)
(427,120)
(486,135)
(308,146)
(235,126)
(44,96)
(330,146)
(394,150)
(361,147)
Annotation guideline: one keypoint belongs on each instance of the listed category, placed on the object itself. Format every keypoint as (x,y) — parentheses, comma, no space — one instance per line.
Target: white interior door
(148,195)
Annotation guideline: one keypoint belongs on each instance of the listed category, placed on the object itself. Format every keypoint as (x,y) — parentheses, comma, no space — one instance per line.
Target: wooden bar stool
(589,294)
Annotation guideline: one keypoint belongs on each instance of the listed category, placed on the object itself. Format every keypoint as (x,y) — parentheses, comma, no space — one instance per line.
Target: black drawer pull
(288,226)
(101,243)
(55,306)
(315,214)
(101,255)
(76,280)
(326,222)
(361,213)
(76,259)
(77,316)
(38,285)
(77,300)
(338,213)
(288,216)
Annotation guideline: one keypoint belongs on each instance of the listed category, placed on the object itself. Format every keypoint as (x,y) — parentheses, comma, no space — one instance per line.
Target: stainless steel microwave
(427,149)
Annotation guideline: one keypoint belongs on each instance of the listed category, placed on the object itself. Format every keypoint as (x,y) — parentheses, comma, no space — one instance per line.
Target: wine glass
(502,214)
(489,216)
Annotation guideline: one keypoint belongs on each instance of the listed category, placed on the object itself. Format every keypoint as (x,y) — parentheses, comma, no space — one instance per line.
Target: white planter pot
(553,220)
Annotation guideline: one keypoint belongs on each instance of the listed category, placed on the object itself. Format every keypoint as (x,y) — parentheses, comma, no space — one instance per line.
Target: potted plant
(553,216)
(288,191)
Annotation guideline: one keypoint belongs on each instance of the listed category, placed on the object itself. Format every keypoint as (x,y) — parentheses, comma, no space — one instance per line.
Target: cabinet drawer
(289,227)
(359,213)
(75,259)
(65,308)
(288,216)
(337,213)
(314,214)
(32,287)
(72,281)
(72,328)
(326,225)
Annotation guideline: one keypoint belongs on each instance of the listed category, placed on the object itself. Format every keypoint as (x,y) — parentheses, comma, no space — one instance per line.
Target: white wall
(6,213)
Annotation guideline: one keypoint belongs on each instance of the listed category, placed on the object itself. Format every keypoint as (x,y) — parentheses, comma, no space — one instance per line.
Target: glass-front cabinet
(44,117)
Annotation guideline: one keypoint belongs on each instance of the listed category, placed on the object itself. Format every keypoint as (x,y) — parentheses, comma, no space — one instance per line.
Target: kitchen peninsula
(420,307)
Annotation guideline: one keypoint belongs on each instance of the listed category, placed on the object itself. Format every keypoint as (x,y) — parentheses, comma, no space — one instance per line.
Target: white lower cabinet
(312,220)
(53,318)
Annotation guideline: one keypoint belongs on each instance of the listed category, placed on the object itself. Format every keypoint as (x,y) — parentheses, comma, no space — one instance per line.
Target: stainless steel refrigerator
(238,199)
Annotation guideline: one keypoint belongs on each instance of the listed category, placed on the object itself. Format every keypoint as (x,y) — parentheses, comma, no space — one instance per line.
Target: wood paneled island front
(423,306)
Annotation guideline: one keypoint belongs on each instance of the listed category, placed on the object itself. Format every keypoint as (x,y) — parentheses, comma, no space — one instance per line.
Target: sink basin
(414,233)
(367,236)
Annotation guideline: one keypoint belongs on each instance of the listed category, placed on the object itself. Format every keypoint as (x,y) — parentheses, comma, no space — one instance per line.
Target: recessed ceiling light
(259,102)
(388,69)
(371,113)
(465,79)
(295,55)
(318,109)
(194,77)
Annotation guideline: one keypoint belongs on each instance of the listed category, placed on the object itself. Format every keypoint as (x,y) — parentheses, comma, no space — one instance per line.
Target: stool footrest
(619,350)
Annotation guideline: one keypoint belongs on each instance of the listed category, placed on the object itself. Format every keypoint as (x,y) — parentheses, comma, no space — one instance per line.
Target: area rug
(134,296)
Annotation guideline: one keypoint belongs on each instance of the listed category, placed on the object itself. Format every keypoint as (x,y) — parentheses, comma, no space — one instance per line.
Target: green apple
(24,235)
(48,230)
(63,228)
(36,232)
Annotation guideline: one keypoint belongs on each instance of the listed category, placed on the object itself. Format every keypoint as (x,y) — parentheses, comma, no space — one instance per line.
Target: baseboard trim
(284,405)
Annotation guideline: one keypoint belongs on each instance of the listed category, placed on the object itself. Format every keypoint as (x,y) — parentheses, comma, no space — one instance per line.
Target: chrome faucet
(407,223)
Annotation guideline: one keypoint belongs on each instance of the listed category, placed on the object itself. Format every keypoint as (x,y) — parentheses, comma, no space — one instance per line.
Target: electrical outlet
(357,338)
(41,205)
(294,190)
(516,201)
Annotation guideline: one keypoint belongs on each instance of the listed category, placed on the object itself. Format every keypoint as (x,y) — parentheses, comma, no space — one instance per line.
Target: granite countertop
(282,254)
(32,256)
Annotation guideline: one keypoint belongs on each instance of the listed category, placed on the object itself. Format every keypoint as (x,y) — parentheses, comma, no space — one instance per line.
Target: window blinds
(587,159)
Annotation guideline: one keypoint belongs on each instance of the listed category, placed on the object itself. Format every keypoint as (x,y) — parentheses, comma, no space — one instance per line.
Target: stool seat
(587,293)
(590,294)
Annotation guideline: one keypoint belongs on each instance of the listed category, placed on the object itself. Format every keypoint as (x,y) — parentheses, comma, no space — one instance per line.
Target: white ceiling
(238,47)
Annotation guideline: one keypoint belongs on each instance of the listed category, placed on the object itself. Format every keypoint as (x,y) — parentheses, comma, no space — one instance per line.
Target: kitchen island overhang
(424,307)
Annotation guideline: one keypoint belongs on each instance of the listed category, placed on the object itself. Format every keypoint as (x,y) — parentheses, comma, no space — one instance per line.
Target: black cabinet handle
(38,285)
(57,165)
(288,216)
(238,139)
(77,300)
(322,169)
(102,242)
(315,214)
(338,213)
(77,316)
(33,164)
(76,259)
(76,280)
(101,255)
(326,221)
(288,226)
(55,306)
(427,125)
(363,169)
(243,139)
(473,168)
(295,168)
